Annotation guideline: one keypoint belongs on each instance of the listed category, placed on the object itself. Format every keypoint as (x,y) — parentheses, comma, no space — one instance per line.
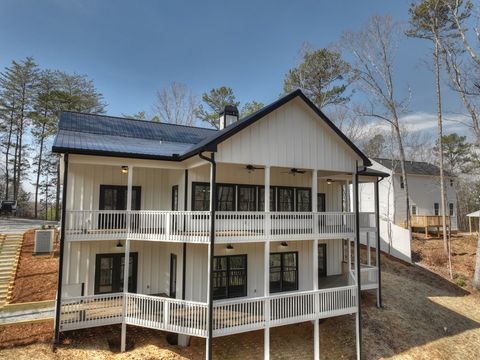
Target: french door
(173,276)
(109,271)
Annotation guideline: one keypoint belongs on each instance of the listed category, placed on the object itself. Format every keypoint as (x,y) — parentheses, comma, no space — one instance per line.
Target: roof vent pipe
(228,116)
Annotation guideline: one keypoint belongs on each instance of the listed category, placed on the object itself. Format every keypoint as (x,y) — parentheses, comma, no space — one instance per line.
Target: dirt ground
(36,277)
(424,316)
(429,253)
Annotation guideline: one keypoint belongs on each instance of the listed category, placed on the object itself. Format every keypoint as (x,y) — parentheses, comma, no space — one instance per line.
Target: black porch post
(62,247)
(377,222)
(213,203)
(184,254)
(357,256)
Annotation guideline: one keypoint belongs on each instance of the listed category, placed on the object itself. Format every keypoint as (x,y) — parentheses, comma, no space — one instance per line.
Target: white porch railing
(190,318)
(194,226)
(89,311)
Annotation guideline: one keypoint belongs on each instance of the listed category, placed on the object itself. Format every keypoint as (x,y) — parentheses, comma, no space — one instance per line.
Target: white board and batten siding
(84,182)
(291,136)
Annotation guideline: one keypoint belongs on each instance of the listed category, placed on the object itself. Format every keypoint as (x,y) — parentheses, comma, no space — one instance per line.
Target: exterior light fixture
(119,244)
(230,247)
(329,181)
(124,169)
(284,244)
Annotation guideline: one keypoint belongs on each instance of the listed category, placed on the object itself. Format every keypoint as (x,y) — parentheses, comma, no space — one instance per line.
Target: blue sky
(132,48)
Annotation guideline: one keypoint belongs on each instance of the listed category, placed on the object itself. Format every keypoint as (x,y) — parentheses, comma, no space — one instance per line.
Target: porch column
(127,258)
(58,304)
(211,250)
(347,196)
(316,322)
(358,317)
(378,249)
(266,268)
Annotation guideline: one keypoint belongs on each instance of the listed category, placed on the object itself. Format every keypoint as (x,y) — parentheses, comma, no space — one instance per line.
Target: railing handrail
(92,297)
(166,299)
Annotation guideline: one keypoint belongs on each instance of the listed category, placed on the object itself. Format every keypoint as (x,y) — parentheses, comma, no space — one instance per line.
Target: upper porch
(171,203)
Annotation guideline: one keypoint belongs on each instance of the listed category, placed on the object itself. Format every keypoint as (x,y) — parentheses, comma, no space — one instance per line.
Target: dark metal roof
(113,136)
(411,167)
(373,172)
(100,134)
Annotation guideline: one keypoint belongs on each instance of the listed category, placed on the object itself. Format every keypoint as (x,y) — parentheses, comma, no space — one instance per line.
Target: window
(451,182)
(450,208)
(175,198)
(414,209)
(435,208)
(321,204)
(229,276)
(201,197)
(225,197)
(109,270)
(322,260)
(304,200)
(402,185)
(114,197)
(261,199)
(283,272)
(285,199)
(247,199)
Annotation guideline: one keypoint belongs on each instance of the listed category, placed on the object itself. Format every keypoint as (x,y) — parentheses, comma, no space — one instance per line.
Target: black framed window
(402,185)
(109,271)
(261,199)
(225,197)
(201,197)
(229,276)
(436,208)
(304,199)
(175,198)
(322,260)
(285,199)
(283,271)
(114,197)
(321,202)
(450,208)
(414,209)
(247,198)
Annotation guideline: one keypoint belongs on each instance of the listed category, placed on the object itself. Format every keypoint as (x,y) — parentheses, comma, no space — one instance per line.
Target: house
(425,202)
(279,247)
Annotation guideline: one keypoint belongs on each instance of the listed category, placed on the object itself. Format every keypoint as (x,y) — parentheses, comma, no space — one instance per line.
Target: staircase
(10,247)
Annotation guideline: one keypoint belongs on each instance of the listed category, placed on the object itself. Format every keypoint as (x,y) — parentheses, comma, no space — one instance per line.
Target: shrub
(437,257)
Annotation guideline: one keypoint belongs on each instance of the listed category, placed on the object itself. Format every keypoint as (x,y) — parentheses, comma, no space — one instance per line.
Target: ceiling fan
(251,168)
(295,171)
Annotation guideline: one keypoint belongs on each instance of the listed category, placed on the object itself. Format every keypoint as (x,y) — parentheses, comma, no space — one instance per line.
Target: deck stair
(10,247)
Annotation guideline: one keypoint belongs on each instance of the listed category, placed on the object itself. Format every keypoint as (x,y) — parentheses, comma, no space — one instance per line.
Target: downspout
(213,202)
(184,261)
(62,249)
(359,281)
(377,222)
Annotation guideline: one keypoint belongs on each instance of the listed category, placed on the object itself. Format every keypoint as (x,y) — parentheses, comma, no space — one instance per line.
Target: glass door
(322,260)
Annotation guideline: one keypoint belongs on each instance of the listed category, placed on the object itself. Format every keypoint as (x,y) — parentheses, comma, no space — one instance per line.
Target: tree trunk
(7,152)
(39,166)
(15,162)
(404,175)
(440,145)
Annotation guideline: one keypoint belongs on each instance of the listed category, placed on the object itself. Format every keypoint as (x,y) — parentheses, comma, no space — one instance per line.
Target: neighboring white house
(425,203)
(278,248)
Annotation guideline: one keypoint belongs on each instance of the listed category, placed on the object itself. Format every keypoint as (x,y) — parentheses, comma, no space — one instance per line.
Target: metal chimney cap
(230,110)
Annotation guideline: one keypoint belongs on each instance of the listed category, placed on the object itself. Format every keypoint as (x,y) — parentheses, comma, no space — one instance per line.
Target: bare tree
(176,104)
(349,120)
(373,49)
(430,20)
(460,73)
